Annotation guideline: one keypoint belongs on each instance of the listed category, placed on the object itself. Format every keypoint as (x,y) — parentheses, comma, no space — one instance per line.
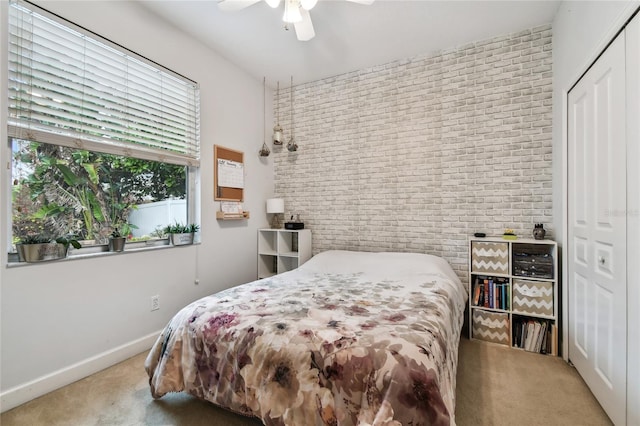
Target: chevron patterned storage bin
(492,258)
(533,297)
(491,326)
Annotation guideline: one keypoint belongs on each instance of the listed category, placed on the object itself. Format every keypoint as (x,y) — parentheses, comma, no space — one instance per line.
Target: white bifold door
(596,246)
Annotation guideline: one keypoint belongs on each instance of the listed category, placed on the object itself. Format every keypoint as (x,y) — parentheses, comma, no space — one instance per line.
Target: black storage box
(533,265)
(294,225)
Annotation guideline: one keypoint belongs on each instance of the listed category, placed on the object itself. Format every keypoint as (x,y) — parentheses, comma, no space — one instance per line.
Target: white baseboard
(45,384)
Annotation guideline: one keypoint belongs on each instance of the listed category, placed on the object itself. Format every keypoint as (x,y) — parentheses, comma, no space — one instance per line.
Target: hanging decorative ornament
(277,130)
(292,145)
(264,151)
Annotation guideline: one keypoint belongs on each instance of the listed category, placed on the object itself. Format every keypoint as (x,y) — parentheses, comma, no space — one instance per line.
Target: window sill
(100,251)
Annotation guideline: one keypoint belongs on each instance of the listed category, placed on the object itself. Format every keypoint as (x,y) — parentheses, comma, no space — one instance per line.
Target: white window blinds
(70,87)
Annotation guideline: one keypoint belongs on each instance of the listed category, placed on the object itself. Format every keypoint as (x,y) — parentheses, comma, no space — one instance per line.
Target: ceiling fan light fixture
(295,12)
(308,4)
(292,12)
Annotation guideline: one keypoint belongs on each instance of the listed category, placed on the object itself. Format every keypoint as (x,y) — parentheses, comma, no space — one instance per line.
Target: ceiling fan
(296,12)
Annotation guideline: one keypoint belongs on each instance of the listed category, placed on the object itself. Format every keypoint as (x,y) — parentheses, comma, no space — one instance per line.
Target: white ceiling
(349,36)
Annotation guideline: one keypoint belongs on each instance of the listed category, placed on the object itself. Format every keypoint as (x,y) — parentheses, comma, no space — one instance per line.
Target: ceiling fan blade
(304,28)
(365,2)
(233,5)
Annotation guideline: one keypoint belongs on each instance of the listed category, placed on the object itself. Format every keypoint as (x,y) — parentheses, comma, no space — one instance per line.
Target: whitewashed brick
(418,154)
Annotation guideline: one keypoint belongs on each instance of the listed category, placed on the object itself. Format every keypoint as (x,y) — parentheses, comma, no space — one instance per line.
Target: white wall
(63,320)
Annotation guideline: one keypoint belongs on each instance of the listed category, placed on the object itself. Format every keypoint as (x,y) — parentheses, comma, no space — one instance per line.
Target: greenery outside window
(97,133)
(59,190)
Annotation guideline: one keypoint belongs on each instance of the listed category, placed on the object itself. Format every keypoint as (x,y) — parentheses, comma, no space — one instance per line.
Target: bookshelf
(513,293)
(282,250)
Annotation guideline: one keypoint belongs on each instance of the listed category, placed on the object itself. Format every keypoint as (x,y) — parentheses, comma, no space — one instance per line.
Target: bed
(348,338)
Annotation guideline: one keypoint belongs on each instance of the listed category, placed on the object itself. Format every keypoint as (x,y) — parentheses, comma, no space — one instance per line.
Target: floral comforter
(348,338)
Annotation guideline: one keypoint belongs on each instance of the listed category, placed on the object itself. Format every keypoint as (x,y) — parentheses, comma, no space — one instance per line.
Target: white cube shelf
(282,250)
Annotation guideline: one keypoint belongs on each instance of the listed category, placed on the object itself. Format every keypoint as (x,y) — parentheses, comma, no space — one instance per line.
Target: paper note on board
(231,207)
(230,174)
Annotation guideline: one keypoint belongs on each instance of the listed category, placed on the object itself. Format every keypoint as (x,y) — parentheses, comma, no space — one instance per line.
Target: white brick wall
(418,154)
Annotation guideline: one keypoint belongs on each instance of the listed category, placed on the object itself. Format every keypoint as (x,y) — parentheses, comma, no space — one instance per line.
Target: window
(100,136)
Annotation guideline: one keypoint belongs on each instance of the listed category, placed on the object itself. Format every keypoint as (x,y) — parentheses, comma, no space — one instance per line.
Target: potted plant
(509,234)
(119,236)
(180,235)
(38,248)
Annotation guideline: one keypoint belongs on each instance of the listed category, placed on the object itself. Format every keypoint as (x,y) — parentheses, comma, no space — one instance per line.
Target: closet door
(632,36)
(597,230)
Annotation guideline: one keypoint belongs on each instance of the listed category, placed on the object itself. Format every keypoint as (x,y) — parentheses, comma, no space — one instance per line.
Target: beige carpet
(496,386)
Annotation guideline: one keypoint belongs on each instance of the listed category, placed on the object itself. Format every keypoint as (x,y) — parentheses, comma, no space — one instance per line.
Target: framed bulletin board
(228,176)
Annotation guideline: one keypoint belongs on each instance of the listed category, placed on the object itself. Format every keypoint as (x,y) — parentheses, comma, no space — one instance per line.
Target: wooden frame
(224,193)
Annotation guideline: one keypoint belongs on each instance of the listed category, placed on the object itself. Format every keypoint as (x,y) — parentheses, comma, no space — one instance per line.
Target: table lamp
(275,206)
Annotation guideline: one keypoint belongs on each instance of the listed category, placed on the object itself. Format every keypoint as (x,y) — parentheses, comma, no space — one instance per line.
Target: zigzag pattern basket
(492,258)
(491,326)
(533,297)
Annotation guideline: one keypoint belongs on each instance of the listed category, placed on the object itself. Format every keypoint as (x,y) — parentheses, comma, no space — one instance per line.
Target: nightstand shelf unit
(513,293)
(282,250)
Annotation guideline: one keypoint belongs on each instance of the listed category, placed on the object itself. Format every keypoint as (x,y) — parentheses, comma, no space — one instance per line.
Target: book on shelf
(507,298)
(517,333)
(477,290)
(491,292)
(535,335)
(541,337)
(504,297)
(520,324)
(531,329)
(545,348)
(486,293)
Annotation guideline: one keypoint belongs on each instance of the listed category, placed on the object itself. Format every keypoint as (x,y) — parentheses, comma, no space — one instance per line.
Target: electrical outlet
(155,303)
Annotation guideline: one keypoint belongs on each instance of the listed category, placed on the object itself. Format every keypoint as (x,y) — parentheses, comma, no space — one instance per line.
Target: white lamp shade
(275,205)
